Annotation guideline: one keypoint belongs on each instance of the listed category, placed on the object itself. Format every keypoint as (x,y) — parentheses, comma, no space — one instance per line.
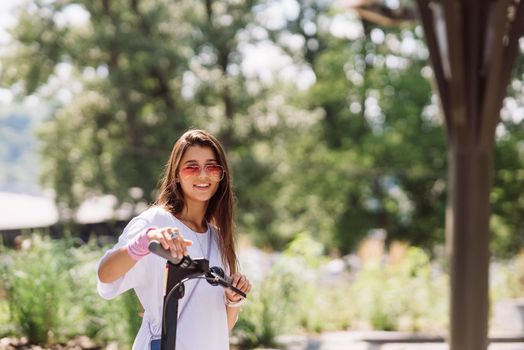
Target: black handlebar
(214,275)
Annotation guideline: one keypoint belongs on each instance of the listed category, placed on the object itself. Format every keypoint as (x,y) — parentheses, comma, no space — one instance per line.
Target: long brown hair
(220,208)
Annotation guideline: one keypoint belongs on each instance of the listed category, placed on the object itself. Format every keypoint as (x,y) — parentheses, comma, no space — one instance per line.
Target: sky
(6,20)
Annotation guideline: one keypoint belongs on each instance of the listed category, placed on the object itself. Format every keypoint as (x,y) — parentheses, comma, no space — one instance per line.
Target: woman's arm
(116,264)
(232,317)
(234,300)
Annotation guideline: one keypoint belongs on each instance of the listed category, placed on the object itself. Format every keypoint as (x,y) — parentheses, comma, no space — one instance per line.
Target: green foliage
(506,194)
(384,181)
(268,312)
(55,299)
(380,294)
(114,320)
(36,286)
(362,148)
(50,290)
(272,307)
(507,279)
(129,63)
(298,296)
(6,327)
(275,304)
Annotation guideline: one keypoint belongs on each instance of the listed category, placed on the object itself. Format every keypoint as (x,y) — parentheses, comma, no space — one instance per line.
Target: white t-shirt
(203,325)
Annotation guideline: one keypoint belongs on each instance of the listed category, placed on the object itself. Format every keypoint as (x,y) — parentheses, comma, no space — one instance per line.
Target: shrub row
(49,287)
(48,295)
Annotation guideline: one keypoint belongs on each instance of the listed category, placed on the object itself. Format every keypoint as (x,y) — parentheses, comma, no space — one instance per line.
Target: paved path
(387,341)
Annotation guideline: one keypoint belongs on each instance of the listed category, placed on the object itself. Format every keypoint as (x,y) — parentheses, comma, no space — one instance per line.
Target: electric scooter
(179,271)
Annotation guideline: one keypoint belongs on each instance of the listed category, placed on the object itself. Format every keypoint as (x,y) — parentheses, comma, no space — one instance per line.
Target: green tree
(353,145)
(131,65)
(508,178)
(378,158)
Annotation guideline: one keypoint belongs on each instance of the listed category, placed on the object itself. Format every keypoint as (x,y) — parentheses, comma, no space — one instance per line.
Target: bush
(268,311)
(507,278)
(287,298)
(114,320)
(404,296)
(50,289)
(48,294)
(295,296)
(36,282)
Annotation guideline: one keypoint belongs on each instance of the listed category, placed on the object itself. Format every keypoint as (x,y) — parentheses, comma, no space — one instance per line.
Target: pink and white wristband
(138,247)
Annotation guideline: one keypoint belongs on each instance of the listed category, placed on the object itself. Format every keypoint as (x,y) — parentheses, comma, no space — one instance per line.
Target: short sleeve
(135,276)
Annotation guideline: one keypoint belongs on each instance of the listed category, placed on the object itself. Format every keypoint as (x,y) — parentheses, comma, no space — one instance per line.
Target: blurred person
(193,216)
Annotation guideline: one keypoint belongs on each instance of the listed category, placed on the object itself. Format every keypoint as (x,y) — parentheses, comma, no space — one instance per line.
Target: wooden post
(467,222)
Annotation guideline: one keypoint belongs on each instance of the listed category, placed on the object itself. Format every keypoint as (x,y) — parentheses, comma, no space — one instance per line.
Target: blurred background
(336,145)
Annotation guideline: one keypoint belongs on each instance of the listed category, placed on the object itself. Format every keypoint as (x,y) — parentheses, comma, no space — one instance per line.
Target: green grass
(5,319)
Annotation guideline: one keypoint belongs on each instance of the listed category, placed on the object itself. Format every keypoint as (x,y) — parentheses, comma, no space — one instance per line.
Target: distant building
(22,211)
(101,216)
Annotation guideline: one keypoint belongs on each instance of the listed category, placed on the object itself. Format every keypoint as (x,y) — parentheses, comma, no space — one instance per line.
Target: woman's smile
(202,187)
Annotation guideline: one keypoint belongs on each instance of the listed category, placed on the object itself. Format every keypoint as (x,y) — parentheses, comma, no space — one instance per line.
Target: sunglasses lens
(190,171)
(214,171)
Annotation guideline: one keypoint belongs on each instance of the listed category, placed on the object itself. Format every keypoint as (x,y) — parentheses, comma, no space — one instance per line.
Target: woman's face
(199,174)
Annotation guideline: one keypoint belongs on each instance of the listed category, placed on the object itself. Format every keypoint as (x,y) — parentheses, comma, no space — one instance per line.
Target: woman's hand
(240,282)
(171,239)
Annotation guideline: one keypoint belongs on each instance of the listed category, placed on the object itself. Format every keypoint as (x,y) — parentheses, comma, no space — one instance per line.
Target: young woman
(192,216)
